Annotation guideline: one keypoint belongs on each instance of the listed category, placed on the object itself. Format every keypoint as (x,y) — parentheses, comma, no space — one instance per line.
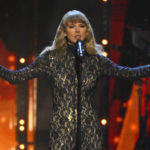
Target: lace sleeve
(108,68)
(36,69)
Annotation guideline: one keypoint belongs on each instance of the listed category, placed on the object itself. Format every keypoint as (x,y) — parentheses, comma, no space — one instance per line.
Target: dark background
(19,19)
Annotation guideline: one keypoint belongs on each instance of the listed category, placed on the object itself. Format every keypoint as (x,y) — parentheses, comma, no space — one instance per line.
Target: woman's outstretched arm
(108,68)
(36,69)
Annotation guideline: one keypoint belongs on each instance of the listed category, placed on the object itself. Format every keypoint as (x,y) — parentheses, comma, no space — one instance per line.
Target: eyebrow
(72,23)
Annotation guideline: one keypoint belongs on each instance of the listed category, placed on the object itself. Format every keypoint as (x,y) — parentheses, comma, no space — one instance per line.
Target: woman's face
(75,31)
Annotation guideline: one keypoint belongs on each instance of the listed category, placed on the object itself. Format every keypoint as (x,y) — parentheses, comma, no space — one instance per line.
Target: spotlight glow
(105,54)
(116,139)
(103,122)
(22,60)
(133,127)
(118,119)
(30,147)
(12,67)
(11,58)
(104,41)
(21,121)
(22,146)
(21,128)
(104,1)
(3,119)
(125,104)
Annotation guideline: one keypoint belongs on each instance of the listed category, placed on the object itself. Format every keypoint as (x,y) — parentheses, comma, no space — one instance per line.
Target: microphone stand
(79,56)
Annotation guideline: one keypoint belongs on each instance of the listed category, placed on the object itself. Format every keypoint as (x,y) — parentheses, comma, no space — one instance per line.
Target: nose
(77,29)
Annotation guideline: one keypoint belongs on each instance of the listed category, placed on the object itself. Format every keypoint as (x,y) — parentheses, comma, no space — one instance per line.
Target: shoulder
(47,53)
(98,56)
(47,50)
(44,56)
(101,59)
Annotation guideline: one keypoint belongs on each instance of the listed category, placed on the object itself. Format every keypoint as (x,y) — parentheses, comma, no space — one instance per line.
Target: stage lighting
(21,146)
(133,127)
(116,139)
(3,119)
(105,1)
(22,60)
(21,128)
(105,23)
(13,148)
(21,125)
(11,58)
(12,67)
(125,104)
(103,122)
(118,119)
(31,147)
(104,42)
(104,53)
(21,121)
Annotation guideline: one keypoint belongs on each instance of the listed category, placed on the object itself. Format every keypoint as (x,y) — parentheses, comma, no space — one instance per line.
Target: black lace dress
(61,74)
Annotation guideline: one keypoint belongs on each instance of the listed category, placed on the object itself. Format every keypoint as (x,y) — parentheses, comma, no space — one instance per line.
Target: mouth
(78,37)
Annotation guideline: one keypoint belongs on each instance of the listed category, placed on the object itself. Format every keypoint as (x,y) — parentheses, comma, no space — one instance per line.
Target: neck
(69,42)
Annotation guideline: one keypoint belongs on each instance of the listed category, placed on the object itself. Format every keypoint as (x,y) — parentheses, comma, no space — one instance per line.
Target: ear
(65,34)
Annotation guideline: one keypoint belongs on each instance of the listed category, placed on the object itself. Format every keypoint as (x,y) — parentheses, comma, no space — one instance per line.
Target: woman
(58,64)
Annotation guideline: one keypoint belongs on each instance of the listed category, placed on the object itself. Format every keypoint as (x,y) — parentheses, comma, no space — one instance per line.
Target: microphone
(80,49)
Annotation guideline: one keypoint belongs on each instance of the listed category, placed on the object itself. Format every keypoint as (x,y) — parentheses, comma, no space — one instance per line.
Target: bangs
(74,17)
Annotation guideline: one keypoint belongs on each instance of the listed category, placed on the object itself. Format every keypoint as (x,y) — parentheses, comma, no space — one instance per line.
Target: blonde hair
(60,42)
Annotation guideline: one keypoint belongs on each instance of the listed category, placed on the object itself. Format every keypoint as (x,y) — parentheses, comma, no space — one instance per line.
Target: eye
(82,25)
(70,26)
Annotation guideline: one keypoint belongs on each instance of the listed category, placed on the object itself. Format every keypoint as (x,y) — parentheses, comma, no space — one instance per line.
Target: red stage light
(118,119)
(12,67)
(116,139)
(11,58)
